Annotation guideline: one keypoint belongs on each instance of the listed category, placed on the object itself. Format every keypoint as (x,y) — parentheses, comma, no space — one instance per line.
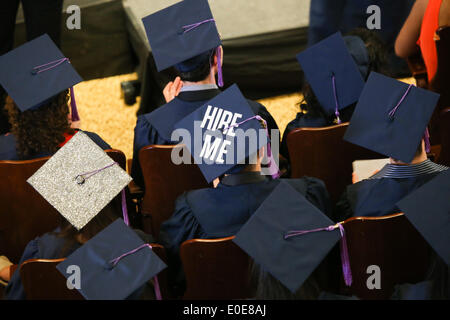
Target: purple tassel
(73,106)
(219,67)
(115,261)
(124,208)
(345,260)
(426,137)
(336,112)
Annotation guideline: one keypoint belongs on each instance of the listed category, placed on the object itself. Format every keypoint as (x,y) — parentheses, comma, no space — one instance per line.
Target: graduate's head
(42,128)
(391,118)
(200,68)
(82,182)
(192,44)
(375,48)
(360,48)
(419,156)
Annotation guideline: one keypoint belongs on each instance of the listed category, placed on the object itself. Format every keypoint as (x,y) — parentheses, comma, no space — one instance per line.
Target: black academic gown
(8,147)
(377,197)
(156,127)
(222,211)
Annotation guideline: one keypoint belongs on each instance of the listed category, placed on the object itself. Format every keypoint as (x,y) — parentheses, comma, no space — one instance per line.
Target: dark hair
(269,288)
(72,236)
(40,129)
(377,54)
(200,73)
(376,49)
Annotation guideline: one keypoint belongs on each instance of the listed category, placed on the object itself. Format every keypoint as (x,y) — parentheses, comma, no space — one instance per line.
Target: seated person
(378,128)
(420,28)
(289,240)
(38,114)
(367,51)
(79,221)
(197,72)
(240,189)
(327,17)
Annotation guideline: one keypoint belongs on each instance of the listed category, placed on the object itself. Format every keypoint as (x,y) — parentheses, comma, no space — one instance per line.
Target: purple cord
(81,179)
(53,64)
(116,261)
(190,27)
(346,270)
(73,106)
(392,112)
(273,168)
(336,112)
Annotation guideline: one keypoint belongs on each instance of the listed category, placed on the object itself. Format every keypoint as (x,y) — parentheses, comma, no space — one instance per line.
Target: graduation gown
(378,195)
(222,211)
(8,147)
(50,246)
(156,127)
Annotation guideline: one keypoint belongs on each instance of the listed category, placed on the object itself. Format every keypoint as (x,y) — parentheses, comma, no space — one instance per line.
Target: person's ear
(261,153)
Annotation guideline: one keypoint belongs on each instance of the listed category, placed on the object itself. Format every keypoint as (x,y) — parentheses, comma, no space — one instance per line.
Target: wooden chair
(24,213)
(444,128)
(322,153)
(164,182)
(163,275)
(390,242)
(42,281)
(215,269)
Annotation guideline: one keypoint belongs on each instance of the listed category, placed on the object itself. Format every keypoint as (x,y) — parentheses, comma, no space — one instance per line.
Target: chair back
(42,281)
(390,243)
(215,269)
(24,213)
(164,182)
(324,154)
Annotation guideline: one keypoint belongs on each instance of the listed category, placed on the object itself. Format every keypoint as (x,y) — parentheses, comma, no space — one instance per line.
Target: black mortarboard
(391,117)
(332,74)
(428,209)
(113,264)
(35,72)
(183,31)
(225,132)
(271,238)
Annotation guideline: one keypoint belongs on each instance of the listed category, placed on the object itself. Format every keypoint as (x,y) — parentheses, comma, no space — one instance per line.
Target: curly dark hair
(41,129)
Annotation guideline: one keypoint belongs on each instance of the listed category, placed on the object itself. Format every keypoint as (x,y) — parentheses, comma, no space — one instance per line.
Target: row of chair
(219,269)
(316,152)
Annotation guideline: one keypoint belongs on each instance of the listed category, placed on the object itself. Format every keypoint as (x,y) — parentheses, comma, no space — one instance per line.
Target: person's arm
(406,42)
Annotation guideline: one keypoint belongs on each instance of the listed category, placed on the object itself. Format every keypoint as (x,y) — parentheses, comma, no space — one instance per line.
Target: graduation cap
(225,132)
(114,264)
(35,72)
(79,180)
(428,209)
(183,35)
(332,74)
(289,237)
(391,117)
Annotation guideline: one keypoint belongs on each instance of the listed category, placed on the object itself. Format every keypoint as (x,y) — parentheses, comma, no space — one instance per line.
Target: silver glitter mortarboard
(67,183)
